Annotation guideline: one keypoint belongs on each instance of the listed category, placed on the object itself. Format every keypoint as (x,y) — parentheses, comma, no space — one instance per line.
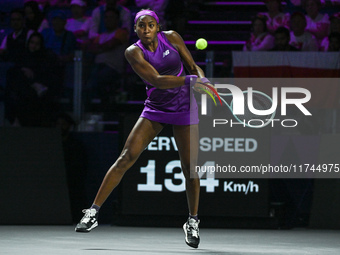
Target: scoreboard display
(155,184)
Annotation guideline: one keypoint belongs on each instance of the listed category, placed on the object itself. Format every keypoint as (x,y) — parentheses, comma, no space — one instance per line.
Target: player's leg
(141,135)
(187,143)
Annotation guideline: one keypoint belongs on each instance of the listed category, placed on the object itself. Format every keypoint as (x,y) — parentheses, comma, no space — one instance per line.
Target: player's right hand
(202,88)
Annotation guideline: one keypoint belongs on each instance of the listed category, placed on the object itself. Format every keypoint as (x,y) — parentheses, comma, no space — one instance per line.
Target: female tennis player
(159,59)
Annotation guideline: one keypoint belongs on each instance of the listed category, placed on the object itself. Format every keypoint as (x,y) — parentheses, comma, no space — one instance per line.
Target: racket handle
(205,80)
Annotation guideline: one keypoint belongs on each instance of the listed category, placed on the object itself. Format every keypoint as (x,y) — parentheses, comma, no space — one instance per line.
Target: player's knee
(125,161)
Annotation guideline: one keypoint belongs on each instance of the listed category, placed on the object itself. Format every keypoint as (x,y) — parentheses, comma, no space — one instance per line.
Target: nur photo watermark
(269,128)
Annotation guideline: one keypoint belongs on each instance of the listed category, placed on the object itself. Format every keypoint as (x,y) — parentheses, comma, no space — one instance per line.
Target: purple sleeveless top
(175,106)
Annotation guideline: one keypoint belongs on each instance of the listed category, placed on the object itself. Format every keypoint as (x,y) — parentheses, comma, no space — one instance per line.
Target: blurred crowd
(41,44)
(306,28)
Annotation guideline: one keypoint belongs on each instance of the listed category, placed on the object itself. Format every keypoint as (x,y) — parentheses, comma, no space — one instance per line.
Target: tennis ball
(201,44)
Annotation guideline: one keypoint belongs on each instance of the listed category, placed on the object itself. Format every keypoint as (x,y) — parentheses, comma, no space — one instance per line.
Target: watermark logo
(245,103)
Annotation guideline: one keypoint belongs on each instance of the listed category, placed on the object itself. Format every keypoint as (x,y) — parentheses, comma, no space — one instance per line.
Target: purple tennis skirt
(175,106)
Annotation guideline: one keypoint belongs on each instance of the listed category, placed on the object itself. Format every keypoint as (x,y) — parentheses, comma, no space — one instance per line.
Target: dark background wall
(32,177)
(34,185)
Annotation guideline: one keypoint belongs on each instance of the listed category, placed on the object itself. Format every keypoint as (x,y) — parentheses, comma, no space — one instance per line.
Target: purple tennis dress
(175,106)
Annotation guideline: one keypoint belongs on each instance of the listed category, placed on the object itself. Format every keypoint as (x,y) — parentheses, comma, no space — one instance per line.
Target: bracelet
(205,80)
(190,80)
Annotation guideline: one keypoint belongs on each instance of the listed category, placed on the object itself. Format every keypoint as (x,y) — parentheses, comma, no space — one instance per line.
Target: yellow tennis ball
(201,44)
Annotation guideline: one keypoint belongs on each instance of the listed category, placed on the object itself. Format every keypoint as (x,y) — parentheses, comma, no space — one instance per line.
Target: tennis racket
(260,101)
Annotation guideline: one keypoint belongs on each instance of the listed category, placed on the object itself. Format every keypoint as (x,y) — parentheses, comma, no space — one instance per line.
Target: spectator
(98,23)
(79,24)
(58,39)
(334,42)
(275,17)
(317,23)
(13,45)
(120,2)
(43,4)
(323,2)
(109,49)
(282,38)
(34,17)
(260,39)
(334,2)
(330,2)
(334,28)
(158,6)
(32,86)
(299,38)
(59,3)
(125,2)
(296,2)
(293,6)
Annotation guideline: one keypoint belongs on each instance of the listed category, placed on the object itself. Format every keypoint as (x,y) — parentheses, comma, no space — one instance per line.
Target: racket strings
(260,101)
